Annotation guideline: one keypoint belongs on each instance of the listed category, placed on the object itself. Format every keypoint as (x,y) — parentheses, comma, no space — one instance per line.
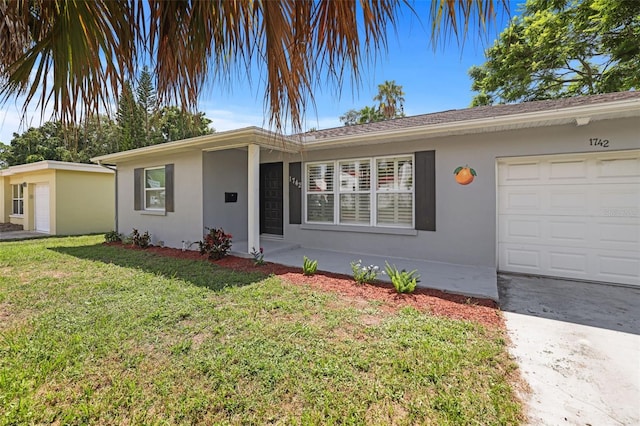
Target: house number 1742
(604,143)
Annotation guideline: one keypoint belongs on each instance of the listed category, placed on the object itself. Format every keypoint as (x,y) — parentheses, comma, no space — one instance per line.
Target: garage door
(41,208)
(574,216)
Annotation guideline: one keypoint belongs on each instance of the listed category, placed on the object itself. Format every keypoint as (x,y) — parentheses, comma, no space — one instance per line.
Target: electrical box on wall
(230,197)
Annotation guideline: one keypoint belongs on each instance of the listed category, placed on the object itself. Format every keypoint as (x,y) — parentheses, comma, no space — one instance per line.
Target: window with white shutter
(355,192)
(370,191)
(394,191)
(320,192)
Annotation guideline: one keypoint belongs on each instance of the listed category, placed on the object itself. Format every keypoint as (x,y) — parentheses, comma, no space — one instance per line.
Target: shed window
(17,200)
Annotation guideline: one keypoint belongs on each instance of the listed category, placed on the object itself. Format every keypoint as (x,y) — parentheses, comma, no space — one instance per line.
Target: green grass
(93,334)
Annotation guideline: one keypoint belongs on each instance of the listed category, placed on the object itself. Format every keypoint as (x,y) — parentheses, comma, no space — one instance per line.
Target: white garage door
(573,216)
(42,207)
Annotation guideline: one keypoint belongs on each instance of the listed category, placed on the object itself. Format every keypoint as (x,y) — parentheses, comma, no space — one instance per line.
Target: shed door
(41,207)
(572,216)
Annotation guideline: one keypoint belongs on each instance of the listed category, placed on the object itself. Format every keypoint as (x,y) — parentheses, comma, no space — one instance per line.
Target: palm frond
(77,54)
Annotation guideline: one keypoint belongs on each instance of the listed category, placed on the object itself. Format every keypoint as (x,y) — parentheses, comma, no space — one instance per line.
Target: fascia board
(53,165)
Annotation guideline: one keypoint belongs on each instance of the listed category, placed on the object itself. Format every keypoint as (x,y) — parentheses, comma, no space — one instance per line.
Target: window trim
(19,199)
(145,189)
(373,192)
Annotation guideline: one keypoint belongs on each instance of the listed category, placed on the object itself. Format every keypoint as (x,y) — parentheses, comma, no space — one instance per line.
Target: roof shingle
(455,115)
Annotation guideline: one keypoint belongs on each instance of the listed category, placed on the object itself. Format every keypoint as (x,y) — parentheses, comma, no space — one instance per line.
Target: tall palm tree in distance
(391,99)
(77,54)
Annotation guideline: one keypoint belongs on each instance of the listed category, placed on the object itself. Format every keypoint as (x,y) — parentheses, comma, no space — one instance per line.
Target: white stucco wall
(226,171)
(185,223)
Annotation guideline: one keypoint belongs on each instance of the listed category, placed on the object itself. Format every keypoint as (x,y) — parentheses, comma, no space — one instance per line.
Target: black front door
(271,193)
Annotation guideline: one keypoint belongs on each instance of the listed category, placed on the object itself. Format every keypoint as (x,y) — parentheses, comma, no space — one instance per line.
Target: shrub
(112,237)
(364,274)
(309,267)
(258,256)
(403,281)
(140,240)
(216,244)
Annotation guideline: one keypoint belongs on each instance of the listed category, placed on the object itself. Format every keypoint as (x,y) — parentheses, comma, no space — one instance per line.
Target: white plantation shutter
(355,192)
(320,192)
(394,191)
(355,208)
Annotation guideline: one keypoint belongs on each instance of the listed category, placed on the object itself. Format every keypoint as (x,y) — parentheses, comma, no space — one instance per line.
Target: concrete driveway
(578,347)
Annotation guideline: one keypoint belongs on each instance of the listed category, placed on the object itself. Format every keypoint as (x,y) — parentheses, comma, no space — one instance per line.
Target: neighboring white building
(557,191)
(58,197)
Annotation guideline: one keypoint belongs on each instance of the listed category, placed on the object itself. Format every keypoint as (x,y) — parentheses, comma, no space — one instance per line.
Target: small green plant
(309,267)
(112,237)
(216,243)
(258,256)
(403,281)
(364,274)
(140,240)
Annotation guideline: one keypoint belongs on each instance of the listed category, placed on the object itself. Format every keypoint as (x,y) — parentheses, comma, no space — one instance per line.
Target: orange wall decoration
(464,175)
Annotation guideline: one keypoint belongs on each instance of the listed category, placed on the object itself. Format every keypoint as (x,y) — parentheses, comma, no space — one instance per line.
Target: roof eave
(215,141)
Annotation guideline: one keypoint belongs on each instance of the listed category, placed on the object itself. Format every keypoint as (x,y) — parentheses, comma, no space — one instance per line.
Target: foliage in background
(562,48)
(390,105)
(216,243)
(309,267)
(403,281)
(140,121)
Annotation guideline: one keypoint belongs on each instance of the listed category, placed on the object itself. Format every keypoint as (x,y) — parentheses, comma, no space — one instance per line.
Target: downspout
(115,170)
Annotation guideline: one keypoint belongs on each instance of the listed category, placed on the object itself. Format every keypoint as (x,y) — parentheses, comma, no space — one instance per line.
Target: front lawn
(105,335)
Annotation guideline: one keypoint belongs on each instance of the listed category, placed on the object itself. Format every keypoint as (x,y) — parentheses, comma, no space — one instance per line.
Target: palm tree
(391,99)
(369,115)
(77,54)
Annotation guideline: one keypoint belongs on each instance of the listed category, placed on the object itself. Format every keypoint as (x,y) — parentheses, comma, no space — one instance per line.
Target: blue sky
(433,80)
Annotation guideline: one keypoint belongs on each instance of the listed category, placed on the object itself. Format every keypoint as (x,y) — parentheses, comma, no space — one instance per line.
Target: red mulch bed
(483,311)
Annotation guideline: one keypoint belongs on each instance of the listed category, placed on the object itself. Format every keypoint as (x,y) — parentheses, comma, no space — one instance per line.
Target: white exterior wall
(185,223)
(465,215)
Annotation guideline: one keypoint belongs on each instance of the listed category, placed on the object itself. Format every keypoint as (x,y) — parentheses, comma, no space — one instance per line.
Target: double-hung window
(17,200)
(320,192)
(368,191)
(154,188)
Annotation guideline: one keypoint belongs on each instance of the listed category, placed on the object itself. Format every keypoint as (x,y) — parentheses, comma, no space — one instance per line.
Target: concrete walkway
(578,348)
(21,235)
(477,281)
